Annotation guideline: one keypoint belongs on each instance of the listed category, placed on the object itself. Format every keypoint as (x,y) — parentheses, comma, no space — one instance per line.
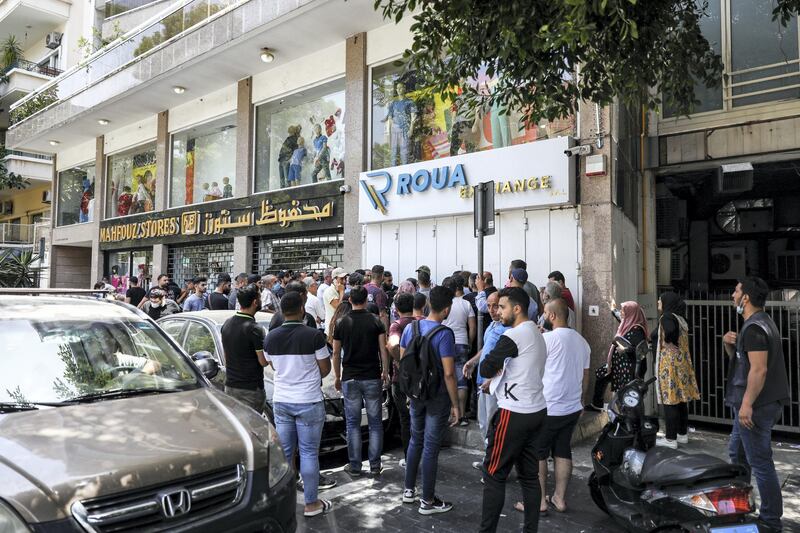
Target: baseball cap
(424,268)
(520,275)
(339,273)
(253,278)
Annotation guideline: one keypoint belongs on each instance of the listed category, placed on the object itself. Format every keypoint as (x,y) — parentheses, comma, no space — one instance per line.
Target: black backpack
(420,376)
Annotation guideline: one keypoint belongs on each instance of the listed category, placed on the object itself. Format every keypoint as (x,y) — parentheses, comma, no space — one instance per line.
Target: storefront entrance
(206,260)
(313,253)
(121,265)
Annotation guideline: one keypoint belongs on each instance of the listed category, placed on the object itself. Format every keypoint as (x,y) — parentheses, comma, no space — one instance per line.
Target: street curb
(589,426)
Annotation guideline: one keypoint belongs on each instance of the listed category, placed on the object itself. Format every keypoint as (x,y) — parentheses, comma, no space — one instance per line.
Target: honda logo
(175,504)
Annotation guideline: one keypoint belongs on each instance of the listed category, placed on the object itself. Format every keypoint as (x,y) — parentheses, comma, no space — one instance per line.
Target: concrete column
(245,116)
(160,256)
(162,161)
(356,140)
(98,259)
(242,255)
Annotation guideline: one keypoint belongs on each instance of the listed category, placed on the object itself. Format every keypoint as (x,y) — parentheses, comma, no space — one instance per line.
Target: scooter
(646,488)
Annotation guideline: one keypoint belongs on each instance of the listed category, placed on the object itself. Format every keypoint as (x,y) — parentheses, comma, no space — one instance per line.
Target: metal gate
(207,260)
(312,253)
(708,321)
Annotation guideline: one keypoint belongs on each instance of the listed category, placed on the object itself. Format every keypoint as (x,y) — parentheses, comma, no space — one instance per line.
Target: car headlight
(10,522)
(278,465)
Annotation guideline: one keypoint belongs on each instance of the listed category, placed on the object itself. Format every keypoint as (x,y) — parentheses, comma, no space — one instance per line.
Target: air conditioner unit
(668,219)
(53,40)
(728,263)
(787,266)
(734,179)
(8,207)
(47,197)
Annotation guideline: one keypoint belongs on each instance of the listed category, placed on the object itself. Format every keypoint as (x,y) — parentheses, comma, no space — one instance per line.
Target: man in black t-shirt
(757,390)
(218,300)
(361,376)
(243,342)
(300,288)
(135,294)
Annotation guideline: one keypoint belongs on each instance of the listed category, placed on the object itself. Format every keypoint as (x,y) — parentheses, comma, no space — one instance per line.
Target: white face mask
(740,306)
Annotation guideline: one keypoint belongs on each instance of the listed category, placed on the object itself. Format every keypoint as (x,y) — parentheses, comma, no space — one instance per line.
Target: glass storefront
(131,183)
(187,262)
(203,163)
(121,265)
(311,254)
(411,123)
(76,195)
(300,139)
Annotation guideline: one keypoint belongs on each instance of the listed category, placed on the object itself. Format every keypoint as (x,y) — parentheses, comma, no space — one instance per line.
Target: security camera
(344,189)
(581,149)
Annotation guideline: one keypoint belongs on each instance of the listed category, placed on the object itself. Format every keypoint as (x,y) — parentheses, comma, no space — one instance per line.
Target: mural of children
(227,188)
(86,197)
(296,164)
(145,193)
(215,191)
(322,156)
(401,117)
(207,192)
(286,153)
(124,202)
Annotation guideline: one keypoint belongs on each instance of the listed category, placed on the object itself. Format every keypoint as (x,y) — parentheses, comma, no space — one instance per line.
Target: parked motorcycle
(647,488)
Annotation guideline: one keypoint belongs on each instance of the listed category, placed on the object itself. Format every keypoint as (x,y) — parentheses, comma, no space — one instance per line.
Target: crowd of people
(525,385)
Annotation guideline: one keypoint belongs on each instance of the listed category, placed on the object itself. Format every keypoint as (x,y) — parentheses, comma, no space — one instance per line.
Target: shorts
(556,436)
(462,355)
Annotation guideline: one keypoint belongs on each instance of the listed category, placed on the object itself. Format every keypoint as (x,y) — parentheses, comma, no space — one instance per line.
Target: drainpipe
(645,270)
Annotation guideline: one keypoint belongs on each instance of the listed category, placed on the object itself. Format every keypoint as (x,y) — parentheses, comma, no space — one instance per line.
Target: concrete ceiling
(31,20)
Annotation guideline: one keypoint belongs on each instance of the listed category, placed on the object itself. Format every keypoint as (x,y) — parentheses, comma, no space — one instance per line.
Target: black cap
(253,278)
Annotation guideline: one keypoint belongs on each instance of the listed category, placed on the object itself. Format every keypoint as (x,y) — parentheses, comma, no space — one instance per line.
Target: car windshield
(54,360)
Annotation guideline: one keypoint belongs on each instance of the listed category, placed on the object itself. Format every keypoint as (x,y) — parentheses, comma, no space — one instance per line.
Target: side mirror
(206,363)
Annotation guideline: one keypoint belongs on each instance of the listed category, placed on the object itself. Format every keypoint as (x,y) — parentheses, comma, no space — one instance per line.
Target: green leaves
(623,48)
(17,268)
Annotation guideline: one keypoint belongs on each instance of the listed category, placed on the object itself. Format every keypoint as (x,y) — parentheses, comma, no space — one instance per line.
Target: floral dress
(623,362)
(676,380)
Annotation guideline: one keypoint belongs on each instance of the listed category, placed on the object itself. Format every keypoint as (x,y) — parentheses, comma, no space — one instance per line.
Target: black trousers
(512,443)
(677,420)
(600,384)
(400,403)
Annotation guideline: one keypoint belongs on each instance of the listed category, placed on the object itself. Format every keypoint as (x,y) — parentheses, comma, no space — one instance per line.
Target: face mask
(740,306)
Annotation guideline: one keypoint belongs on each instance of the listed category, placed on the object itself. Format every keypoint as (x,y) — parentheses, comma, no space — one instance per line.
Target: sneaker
(435,507)
(326,482)
(402,463)
(463,422)
(410,496)
(667,443)
(477,465)
(683,439)
(375,471)
(351,472)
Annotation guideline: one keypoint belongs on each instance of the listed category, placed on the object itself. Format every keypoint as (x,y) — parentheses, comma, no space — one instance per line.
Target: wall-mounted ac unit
(728,263)
(53,40)
(8,207)
(734,179)
(47,197)
(787,266)
(667,219)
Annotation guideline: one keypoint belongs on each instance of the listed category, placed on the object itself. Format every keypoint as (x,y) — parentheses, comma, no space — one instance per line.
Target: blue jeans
(357,394)
(462,355)
(428,424)
(752,447)
(299,427)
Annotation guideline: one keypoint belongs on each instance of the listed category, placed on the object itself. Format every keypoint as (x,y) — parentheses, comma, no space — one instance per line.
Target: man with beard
(218,300)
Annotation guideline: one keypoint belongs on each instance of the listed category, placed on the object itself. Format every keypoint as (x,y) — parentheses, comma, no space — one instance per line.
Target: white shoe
(667,443)
(683,439)
(477,465)
(402,463)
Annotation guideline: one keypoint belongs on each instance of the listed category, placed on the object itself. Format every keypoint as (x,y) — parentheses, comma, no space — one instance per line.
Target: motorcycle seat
(665,466)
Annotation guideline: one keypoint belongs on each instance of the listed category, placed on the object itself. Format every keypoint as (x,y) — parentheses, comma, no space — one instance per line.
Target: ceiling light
(179,90)
(54,143)
(103,121)
(267,56)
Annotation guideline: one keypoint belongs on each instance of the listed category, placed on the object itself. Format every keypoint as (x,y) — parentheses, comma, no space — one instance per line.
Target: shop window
(412,123)
(122,265)
(76,195)
(131,182)
(203,163)
(300,139)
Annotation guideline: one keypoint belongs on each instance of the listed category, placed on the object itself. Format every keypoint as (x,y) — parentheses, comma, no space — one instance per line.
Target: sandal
(556,507)
(325,509)
(519,506)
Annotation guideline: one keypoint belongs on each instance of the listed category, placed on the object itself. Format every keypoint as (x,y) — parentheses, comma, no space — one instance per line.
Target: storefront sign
(535,174)
(271,213)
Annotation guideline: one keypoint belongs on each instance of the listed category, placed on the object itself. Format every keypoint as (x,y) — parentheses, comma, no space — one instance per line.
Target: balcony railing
(31,155)
(117,7)
(30,66)
(17,234)
(154,34)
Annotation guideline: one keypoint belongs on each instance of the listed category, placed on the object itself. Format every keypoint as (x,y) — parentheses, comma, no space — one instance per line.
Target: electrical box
(596,165)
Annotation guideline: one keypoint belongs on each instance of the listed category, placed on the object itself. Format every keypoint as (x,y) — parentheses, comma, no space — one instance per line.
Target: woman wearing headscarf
(405,287)
(621,364)
(676,384)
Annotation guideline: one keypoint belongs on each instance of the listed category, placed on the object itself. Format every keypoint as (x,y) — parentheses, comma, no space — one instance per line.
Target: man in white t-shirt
(464,325)
(314,306)
(325,281)
(333,296)
(566,376)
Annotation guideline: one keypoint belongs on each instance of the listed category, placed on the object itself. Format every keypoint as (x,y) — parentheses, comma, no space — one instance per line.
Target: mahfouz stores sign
(289,211)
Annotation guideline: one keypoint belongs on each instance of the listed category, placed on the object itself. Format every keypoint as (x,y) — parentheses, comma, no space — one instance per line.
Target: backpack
(420,376)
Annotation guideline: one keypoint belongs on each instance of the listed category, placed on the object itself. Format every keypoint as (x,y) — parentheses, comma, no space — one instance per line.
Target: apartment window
(412,123)
(203,163)
(760,56)
(131,182)
(75,202)
(300,139)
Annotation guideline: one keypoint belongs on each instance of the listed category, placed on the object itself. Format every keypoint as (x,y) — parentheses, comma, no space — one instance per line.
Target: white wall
(77,155)
(131,135)
(203,109)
